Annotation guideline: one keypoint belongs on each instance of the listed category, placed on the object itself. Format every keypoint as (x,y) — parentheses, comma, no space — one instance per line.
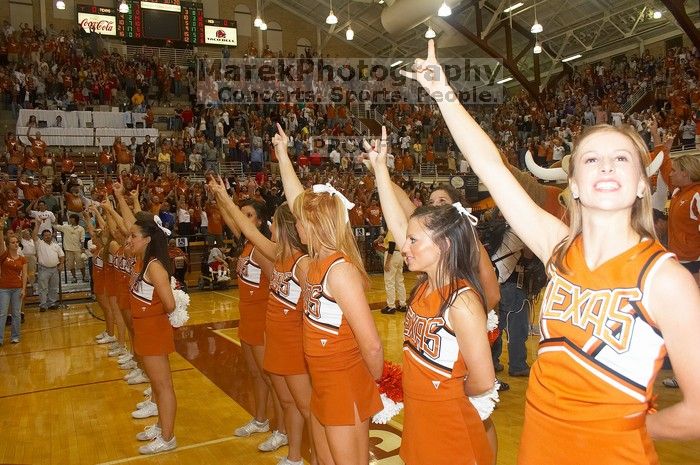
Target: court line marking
(191,446)
(47,350)
(225,336)
(225,295)
(58,388)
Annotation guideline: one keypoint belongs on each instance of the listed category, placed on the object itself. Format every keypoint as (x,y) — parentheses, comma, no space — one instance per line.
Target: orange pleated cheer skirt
(445,432)
(549,441)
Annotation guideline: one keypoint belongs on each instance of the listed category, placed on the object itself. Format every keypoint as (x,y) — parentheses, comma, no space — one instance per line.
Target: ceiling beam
(512,66)
(677,9)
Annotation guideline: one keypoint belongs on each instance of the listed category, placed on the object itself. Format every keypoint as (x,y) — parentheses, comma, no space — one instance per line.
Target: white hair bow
(318,188)
(159,223)
(466,212)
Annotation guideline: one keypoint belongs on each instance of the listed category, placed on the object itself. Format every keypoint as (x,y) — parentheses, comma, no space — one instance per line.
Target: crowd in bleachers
(70,70)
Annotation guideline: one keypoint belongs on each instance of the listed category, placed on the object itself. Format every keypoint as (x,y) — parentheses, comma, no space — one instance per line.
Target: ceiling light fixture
(263,26)
(538,48)
(503,81)
(572,57)
(258,20)
(349,34)
(331,19)
(656,14)
(396,63)
(444,10)
(513,7)
(430,33)
(537,27)
(123,7)
(60,5)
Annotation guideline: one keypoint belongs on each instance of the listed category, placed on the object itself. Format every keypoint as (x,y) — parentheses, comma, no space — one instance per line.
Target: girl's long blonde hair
(287,239)
(324,218)
(642,219)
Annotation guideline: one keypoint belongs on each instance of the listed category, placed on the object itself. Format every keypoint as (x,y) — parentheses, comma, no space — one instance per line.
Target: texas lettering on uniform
(608,313)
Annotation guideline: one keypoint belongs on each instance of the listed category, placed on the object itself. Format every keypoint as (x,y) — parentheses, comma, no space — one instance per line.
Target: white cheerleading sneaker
(118,352)
(129,365)
(143,403)
(140,378)
(107,340)
(273,442)
(148,391)
(253,426)
(286,461)
(149,433)
(125,357)
(102,335)
(158,445)
(148,410)
(132,373)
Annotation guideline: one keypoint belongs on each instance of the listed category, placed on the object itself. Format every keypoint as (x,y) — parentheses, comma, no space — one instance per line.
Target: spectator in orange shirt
(357,215)
(407,162)
(123,156)
(38,145)
(31,162)
(67,166)
(180,262)
(215,231)
(106,161)
(148,120)
(373,213)
(72,199)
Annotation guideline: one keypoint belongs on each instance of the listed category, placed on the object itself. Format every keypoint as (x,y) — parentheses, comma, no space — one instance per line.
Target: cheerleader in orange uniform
(284,353)
(99,236)
(253,270)
(151,299)
(615,303)
(341,344)
(446,353)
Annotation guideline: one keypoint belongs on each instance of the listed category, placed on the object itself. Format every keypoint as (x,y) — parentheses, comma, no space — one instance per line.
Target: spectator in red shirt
(20,221)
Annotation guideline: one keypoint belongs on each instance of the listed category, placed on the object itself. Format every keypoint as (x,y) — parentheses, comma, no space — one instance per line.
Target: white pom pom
(492,321)
(173,282)
(486,402)
(179,316)
(390,410)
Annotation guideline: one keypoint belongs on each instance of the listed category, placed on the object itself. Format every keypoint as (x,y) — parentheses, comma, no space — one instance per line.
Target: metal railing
(635,98)
(379,118)
(180,57)
(428,170)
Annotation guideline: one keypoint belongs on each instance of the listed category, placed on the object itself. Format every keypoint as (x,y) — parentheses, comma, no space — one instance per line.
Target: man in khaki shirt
(73,237)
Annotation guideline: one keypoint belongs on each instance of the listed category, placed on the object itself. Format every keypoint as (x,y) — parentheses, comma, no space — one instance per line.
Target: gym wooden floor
(62,401)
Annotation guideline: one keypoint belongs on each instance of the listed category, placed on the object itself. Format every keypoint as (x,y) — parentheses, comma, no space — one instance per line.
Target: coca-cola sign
(105,25)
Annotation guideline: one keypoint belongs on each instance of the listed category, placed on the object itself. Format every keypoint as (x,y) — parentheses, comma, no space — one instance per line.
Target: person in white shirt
(390,162)
(184,225)
(335,157)
(204,223)
(405,144)
(44,217)
(73,237)
(49,256)
(29,252)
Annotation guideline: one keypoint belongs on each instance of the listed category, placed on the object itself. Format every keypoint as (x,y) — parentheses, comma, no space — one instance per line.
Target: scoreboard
(166,20)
